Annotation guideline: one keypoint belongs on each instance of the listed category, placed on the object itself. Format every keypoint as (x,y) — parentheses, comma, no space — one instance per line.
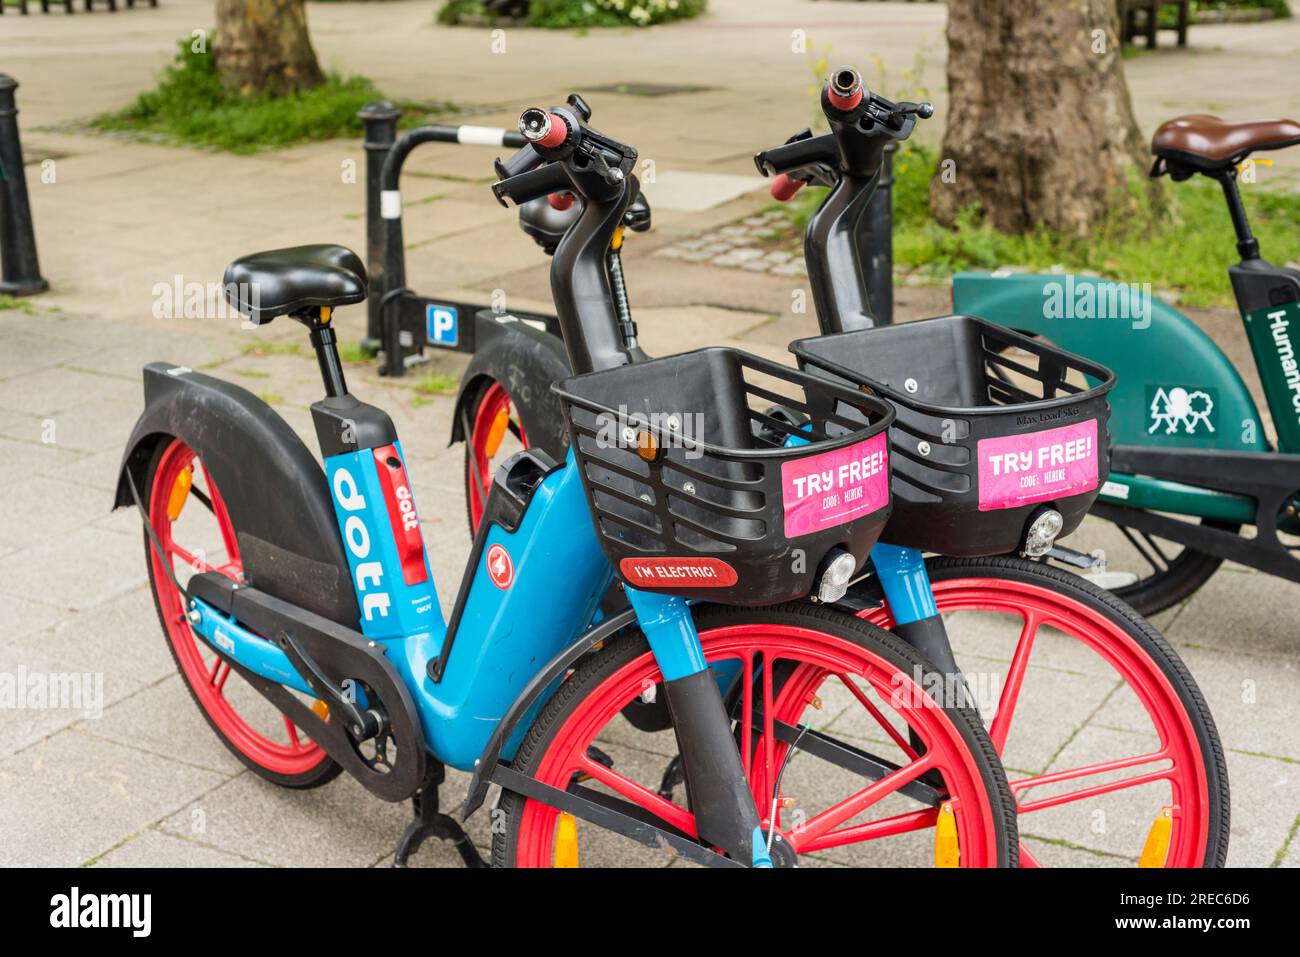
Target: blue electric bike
(300,609)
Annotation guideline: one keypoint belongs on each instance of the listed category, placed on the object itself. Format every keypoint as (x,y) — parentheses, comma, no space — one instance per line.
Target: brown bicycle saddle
(1209,143)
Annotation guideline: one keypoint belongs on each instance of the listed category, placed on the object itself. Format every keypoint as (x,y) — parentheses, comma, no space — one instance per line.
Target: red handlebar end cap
(557,134)
(844,103)
(785,186)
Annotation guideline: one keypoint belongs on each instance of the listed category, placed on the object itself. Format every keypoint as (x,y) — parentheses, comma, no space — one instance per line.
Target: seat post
(325,342)
(1247,244)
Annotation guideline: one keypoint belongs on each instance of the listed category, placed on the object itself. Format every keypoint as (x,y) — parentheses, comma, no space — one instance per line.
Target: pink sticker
(835,487)
(1019,469)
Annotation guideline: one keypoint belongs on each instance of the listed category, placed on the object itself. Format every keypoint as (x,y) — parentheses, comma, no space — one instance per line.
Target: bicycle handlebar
(861,124)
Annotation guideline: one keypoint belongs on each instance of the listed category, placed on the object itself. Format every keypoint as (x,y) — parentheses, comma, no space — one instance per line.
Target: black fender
(525,360)
(273,487)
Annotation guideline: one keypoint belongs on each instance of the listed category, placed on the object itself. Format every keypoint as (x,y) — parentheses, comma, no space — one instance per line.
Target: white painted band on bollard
(481,135)
(390,204)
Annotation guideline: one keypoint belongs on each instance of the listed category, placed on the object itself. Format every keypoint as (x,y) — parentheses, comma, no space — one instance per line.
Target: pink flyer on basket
(1038,466)
(835,487)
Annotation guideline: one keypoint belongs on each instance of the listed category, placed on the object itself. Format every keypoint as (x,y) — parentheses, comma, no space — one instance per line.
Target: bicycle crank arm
(610,813)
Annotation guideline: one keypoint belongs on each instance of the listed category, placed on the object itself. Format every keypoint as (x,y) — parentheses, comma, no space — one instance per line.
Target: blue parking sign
(442,325)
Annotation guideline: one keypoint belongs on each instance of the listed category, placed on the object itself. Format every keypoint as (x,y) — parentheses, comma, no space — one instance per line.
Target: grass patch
(264,347)
(437,384)
(1189,250)
(271,398)
(252,373)
(352,352)
(16,304)
(191,106)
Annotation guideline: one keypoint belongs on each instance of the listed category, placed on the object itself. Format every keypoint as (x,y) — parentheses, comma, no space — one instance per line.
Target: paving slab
(91,794)
(154,848)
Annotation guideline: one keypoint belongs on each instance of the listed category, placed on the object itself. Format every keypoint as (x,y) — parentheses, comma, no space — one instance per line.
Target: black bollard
(380,123)
(20,273)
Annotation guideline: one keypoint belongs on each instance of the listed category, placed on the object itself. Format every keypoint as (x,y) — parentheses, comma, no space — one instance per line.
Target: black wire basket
(696,491)
(992,426)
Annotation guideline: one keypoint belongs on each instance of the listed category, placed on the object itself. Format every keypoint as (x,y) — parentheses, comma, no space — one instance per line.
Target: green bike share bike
(1195,480)
(1165,776)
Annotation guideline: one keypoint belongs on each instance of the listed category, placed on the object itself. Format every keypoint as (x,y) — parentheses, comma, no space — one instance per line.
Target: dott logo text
(375,599)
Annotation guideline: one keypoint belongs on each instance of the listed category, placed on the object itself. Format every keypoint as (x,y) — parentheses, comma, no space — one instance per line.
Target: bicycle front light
(835,579)
(1041,536)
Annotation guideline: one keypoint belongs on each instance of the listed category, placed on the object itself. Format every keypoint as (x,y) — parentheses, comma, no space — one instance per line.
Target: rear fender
(272,485)
(525,360)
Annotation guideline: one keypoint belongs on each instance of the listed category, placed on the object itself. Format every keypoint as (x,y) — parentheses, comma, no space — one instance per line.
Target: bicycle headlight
(1041,536)
(835,579)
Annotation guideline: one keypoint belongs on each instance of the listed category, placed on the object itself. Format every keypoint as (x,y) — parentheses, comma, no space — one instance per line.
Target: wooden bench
(1150,10)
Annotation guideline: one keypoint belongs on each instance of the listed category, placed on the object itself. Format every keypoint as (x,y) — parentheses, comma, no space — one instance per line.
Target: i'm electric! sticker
(1020,469)
(677,572)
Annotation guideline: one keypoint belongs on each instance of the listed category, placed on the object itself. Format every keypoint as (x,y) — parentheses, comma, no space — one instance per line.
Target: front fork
(719,792)
(906,584)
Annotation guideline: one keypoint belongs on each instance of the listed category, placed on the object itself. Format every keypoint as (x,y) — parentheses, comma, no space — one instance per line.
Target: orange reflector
(321,709)
(1156,848)
(497,432)
(946,852)
(566,841)
(646,446)
(180,492)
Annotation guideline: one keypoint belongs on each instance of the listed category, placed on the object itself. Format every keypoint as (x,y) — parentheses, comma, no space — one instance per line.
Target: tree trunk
(1040,123)
(262,46)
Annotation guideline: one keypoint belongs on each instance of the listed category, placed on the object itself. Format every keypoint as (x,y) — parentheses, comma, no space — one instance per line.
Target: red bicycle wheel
(579,737)
(200,540)
(492,418)
(1144,774)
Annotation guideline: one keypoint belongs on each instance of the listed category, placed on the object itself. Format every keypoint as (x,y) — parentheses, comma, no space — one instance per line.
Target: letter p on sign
(442,327)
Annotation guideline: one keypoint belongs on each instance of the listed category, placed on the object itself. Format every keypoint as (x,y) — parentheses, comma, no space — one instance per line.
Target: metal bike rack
(20,273)
(399,322)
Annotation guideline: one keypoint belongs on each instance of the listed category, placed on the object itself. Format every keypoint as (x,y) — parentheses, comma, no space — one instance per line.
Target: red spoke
(1027,859)
(881,720)
(678,817)
(1015,680)
(872,830)
(220,683)
(293,734)
(769,744)
(1088,771)
(747,719)
(851,806)
(193,561)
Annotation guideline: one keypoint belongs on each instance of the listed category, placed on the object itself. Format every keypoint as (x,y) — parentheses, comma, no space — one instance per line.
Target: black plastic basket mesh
(696,470)
(991,425)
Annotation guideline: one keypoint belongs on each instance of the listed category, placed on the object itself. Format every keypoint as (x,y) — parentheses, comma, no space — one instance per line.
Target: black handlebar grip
(805,152)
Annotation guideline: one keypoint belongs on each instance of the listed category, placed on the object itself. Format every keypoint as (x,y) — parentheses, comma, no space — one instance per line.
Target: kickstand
(430,822)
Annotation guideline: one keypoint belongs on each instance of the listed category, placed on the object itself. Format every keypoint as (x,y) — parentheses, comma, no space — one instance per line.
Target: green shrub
(190,105)
(567,14)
